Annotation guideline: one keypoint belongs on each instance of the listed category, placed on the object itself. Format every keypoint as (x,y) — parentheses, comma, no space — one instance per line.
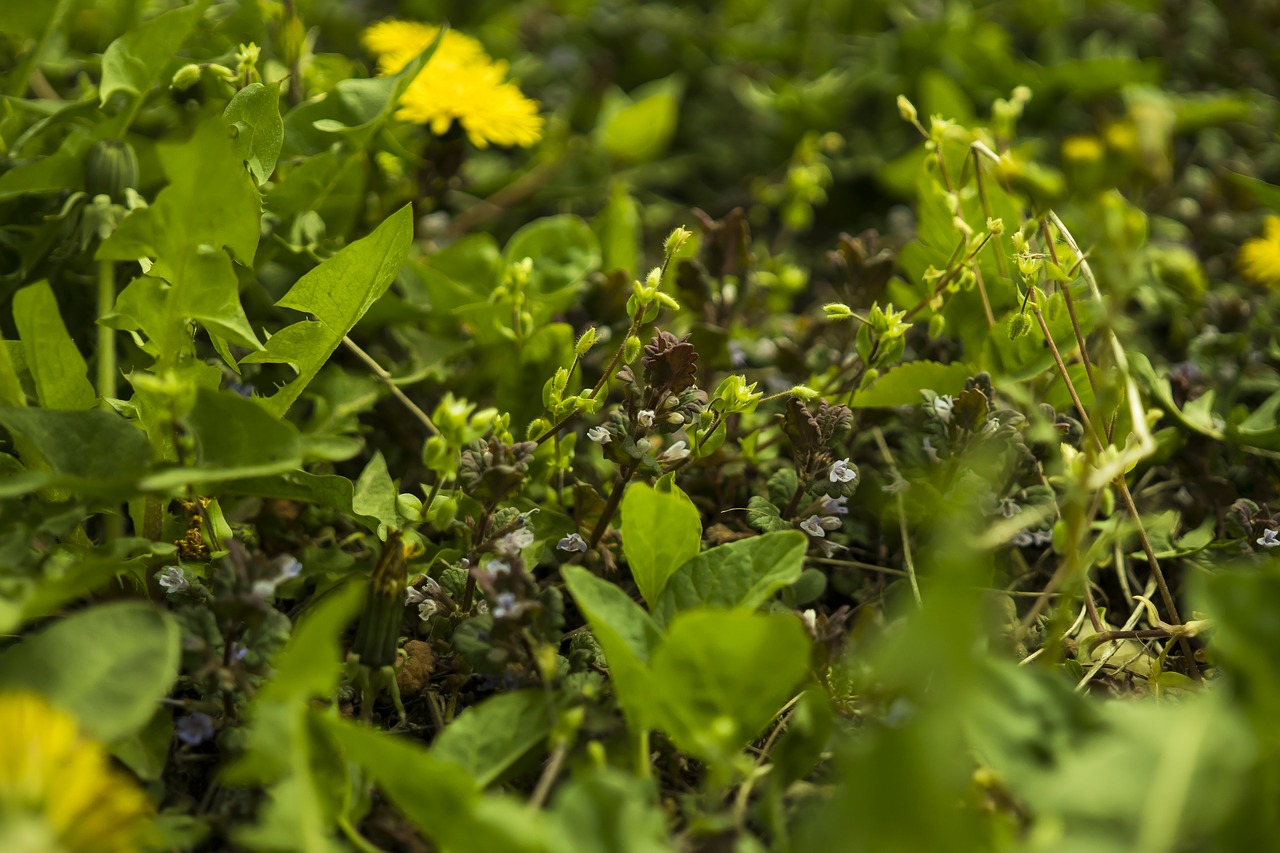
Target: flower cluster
(459,83)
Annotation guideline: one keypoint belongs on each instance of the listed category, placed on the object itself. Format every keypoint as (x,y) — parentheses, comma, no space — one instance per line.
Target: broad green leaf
(92,451)
(487,739)
(147,751)
(327,490)
(638,128)
(234,437)
(337,293)
(254,112)
(564,251)
(618,229)
(441,800)
(901,386)
(350,114)
(1264,193)
(742,574)
(720,676)
(61,170)
(133,62)
(59,371)
(626,635)
(109,665)
(808,735)
(311,662)
(607,811)
(375,494)
(660,533)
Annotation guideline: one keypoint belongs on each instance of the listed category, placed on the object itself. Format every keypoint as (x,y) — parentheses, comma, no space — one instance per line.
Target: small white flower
(504,605)
(496,567)
(515,541)
(413,596)
(675,452)
(834,506)
(841,472)
(427,609)
(172,579)
(572,542)
(1269,539)
(942,406)
(431,587)
(289,567)
(810,620)
(600,435)
(896,485)
(830,548)
(1009,507)
(645,418)
(813,526)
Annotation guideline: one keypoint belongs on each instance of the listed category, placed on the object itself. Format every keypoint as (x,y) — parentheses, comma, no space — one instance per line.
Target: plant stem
(615,498)
(387,380)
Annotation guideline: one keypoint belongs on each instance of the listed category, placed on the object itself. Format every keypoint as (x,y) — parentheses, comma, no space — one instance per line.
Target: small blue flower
(842,471)
(504,605)
(1269,539)
(172,579)
(572,542)
(195,728)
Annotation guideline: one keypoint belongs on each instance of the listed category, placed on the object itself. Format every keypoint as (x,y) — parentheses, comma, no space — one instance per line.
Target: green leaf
(618,230)
(326,490)
(311,662)
(742,574)
(109,665)
(133,62)
(91,451)
(607,811)
(255,114)
(638,128)
(1264,193)
(441,800)
(721,676)
(375,494)
(337,293)
(660,533)
(564,251)
(626,635)
(59,371)
(901,386)
(489,738)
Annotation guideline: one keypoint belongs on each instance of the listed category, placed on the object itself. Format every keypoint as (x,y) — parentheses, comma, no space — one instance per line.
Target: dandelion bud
(185,77)
(110,168)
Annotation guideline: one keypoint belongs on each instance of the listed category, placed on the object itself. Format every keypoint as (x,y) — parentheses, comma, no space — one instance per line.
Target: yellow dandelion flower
(459,83)
(58,790)
(1260,257)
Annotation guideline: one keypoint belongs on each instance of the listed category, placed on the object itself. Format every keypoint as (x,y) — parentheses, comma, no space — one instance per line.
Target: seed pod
(110,168)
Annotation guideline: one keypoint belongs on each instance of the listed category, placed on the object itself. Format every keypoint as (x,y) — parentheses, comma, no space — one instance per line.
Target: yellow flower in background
(1260,257)
(459,83)
(58,790)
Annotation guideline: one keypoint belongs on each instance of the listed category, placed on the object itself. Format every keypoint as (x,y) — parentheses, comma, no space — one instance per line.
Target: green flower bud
(907,110)
(995,226)
(631,349)
(536,428)
(937,325)
(1019,326)
(185,77)
(675,240)
(804,392)
(585,343)
(443,511)
(837,311)
(110,168)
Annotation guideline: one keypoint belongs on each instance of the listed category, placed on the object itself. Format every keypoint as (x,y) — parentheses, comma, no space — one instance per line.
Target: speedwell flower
(841,472)
(459,83)
(1260,257)
(58,790)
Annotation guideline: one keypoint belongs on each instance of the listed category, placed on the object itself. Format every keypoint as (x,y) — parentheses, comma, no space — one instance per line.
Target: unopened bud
(675,240)
(1019,326)
(110,167)
(630,349)
(907,110)
(585,343)
(185,77)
